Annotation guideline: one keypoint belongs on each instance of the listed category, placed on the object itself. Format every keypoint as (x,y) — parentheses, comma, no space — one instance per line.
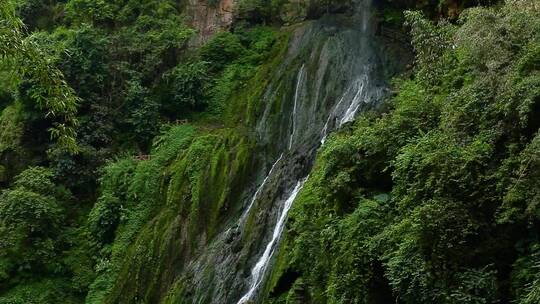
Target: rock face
(209,17)
(332,69)
(326,72)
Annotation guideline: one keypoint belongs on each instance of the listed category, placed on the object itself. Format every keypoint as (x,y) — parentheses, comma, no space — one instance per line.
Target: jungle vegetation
(109,115)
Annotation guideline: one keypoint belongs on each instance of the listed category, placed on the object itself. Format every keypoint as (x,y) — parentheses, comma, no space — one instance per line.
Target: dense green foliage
(23,57)
(31,216)
(138,81)
(30,219)
(124,146)
(434,200)
(136,78)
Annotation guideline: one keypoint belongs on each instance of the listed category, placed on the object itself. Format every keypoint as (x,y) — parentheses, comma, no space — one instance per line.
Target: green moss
(192,181)
(435,199)
(247,95)
(138,186)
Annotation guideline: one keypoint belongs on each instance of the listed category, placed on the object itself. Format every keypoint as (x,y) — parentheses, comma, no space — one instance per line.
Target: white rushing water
(354,94)
(358,91)
(360,96)
(258,192)
(324,131)
(257,273)
(296,93)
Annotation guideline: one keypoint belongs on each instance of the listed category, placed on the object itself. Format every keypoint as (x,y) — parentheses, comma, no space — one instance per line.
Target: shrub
(30,220)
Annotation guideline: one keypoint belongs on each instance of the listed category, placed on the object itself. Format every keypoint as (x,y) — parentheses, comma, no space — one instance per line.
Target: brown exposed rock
(209,17)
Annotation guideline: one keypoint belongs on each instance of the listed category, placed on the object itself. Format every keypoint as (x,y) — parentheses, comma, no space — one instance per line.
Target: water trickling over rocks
(331,72)
(259,270)
(333,69)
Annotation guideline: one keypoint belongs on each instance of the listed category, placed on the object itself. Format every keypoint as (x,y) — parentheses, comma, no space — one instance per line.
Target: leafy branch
(49,90)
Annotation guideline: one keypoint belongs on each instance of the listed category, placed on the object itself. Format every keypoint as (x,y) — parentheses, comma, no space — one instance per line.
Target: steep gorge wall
(193,249)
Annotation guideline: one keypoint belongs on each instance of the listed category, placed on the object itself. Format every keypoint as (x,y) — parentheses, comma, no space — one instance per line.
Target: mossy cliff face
(194,245)
(198,190)
(431,201)
(173,204)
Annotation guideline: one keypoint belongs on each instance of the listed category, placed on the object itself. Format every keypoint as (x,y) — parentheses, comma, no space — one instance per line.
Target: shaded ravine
(333,70)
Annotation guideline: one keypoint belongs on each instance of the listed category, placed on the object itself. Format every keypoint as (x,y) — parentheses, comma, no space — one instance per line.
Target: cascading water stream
(296,94)
(359,90)
(291,137)
(258,192)
(258,271)
(324,132)
(353,107)
(331,71)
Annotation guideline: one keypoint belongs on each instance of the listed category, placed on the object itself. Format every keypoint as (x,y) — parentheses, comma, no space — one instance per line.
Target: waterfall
(258,271)
(324,132)
(358,91)
(331,71)
(295,106)
(258,191)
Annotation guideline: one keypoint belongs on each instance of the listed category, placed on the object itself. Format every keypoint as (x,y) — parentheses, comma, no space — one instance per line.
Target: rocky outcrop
(209,17)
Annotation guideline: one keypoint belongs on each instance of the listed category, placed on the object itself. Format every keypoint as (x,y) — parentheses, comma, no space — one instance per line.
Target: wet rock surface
(331,70)
(335,68)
